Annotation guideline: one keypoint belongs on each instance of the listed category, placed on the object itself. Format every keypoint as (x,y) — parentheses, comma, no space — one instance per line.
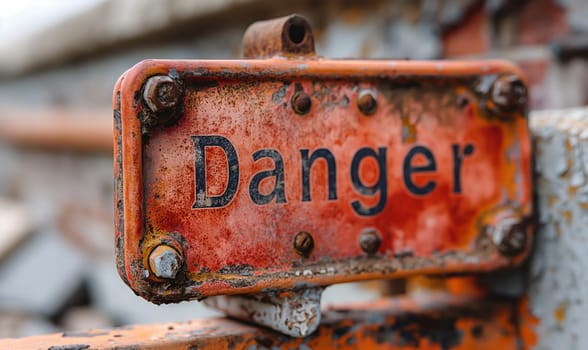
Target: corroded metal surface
(439,322)
(434,172)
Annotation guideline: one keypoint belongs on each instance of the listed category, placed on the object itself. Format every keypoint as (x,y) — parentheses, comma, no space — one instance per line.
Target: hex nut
(509,237)
(514,242)
(161,93)
(165,261)
(508,93)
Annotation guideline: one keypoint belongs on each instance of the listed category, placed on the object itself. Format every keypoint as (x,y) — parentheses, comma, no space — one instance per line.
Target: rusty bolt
(369,241)
(366,102)
(513,242)
(301,103)
(509,236)
(161,93)
(509,93)
(165,261)
(303,243)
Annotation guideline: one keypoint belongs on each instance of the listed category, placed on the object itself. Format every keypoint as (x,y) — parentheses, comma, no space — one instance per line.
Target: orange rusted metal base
(440,321)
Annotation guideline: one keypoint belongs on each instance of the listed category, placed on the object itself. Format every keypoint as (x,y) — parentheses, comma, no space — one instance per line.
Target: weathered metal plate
(255,196)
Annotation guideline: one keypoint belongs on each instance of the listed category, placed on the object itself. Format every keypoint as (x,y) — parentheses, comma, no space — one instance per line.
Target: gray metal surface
(558,278)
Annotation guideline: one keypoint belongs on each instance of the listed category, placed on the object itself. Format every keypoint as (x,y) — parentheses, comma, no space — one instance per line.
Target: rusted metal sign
(247,176)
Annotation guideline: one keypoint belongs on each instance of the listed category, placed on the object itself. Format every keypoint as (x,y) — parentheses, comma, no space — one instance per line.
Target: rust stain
(567,215)
(527,324)
(560,312)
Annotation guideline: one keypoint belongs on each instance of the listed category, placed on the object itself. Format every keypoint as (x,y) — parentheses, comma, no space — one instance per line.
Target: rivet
(301,103)
(165,261)
(366,102)
(303,243)
(370,241)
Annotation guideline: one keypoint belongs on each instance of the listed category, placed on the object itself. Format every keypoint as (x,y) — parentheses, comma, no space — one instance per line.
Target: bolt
(165,261)
(303,243)
(509,93)
(509,237)
(513,242)
(301,103)
(161,93)
(369,241)
(366,102)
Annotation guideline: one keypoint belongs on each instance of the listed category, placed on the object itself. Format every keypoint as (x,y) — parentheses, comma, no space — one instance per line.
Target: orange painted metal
(454,166)
(440,321)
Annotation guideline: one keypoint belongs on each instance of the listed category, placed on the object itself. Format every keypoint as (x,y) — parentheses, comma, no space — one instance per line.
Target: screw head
(370,241)
(366,102)
(161,93)
(509,237)
(508,93)
(165,261)
(301,103)
(303,243)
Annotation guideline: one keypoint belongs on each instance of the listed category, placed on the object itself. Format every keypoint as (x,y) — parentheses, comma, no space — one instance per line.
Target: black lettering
(457,163)
(409,169)
(202,200)
(278,172)
(381,186)
(331,172)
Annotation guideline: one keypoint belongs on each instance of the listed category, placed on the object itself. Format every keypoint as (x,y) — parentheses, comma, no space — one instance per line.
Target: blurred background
(58,64)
